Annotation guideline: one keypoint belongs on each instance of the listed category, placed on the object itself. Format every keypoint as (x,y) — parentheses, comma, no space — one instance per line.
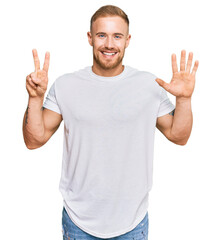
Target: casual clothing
(72,232)
(109,128)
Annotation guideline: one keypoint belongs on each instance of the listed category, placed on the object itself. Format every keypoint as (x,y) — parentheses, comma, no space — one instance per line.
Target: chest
(98,104)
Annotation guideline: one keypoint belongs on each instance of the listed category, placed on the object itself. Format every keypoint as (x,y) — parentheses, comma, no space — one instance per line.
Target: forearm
(33,124)
(182,120)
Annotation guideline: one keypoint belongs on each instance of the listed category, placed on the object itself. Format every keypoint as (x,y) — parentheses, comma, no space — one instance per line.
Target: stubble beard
(108,65)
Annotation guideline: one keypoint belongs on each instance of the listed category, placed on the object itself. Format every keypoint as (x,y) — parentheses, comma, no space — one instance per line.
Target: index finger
(195,67)
(36,60)
(46,62)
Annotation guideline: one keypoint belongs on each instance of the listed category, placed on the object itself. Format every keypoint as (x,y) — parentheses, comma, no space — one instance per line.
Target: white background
(185,199)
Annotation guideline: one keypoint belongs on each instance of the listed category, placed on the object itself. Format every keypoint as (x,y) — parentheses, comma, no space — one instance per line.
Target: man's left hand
(183,81)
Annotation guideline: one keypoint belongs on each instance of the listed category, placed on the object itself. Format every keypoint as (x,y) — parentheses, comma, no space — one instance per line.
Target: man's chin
(108,65)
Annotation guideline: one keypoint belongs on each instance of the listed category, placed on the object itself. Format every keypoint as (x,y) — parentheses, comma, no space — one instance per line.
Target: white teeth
(109,54)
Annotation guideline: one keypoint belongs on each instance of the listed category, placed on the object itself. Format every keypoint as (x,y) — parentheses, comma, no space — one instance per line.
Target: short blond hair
(109,10)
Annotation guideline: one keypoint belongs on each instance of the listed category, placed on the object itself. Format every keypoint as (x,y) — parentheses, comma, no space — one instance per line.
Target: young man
(110,114)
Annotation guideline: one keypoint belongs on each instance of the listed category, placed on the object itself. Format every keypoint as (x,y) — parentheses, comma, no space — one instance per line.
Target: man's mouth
(109,53)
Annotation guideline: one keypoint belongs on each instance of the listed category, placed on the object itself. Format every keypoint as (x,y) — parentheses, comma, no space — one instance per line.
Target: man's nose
(109,42)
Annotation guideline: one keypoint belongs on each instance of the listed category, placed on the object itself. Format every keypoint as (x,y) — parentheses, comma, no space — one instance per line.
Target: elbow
(32,145)
(33,141)
(182,141)
(179,142)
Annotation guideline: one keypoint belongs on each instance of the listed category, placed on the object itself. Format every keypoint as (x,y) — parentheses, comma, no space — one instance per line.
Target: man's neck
(108,73)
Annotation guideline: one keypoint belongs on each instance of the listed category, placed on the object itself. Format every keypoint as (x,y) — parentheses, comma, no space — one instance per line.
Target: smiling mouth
(109,53)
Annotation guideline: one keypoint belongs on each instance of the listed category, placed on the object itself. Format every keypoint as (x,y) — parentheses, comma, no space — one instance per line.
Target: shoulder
(141,73)
(72,76)
(145,77)
(68,79)
(65,77)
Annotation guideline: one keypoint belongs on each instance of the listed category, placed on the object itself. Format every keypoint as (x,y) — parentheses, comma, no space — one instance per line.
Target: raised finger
(183,60)
(36,60)
(46,62)
(174,63)
(196,64)
(189,62)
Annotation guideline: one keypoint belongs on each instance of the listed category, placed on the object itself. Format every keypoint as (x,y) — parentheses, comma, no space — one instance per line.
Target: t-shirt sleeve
(51,100)
(166,105)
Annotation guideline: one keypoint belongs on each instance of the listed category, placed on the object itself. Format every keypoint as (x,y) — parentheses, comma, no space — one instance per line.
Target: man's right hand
(38,124)
(37,82)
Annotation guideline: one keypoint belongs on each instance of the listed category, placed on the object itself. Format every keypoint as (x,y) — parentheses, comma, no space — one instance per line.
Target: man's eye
(117,36)
(101,35)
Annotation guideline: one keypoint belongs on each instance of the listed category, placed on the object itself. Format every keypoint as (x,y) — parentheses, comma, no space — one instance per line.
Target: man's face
(109,38)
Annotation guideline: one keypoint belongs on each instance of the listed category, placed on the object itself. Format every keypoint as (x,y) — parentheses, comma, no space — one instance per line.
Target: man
(110,114)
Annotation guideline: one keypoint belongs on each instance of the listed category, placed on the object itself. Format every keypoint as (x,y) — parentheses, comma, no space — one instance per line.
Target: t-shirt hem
(168,110)
(45,105)
(109,235)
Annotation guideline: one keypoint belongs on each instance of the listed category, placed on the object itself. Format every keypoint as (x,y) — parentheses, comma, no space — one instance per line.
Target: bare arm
(38,124)
(177,128)
(177,125)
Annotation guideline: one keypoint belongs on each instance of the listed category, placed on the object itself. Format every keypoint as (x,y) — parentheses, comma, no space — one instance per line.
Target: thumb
(162,84)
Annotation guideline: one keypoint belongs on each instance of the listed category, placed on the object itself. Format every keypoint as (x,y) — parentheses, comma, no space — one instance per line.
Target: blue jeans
(72,232)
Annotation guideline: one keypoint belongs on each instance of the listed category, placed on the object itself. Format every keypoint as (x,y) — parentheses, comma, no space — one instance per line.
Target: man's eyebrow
(113,34)
(100,33)
(119,34)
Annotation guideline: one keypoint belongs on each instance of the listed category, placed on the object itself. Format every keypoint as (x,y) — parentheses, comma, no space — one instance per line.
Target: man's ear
(128,40)
(89,35)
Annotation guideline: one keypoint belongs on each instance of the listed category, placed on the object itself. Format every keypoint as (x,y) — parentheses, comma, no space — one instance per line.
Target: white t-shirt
(109,127)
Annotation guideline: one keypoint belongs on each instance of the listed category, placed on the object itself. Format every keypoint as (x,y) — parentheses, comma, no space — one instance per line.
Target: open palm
(183,81)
